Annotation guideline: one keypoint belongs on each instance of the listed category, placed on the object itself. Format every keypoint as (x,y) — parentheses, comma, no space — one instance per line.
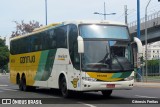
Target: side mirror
(139,44)
(140,51)
(80,44)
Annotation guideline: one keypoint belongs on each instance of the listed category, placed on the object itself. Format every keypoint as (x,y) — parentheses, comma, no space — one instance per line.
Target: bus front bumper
(99,86)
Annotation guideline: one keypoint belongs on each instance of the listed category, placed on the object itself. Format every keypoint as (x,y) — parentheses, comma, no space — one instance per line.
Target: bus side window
(36,42)
(49,41)
(52,38)
(61,37)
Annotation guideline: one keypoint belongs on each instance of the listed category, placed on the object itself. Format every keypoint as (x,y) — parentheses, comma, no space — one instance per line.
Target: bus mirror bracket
(80,44)
(140,51)
(139,44)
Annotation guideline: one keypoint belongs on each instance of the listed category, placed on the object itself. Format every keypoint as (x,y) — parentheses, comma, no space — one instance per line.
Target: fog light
(89,79)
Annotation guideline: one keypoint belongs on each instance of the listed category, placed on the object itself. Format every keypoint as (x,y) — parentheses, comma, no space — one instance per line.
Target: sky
(63,10)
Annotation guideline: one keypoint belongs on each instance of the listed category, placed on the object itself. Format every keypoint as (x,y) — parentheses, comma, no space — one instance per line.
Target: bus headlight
(129,78)
(89,79)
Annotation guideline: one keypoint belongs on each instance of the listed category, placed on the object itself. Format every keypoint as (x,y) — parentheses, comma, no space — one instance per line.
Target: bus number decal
(27,59)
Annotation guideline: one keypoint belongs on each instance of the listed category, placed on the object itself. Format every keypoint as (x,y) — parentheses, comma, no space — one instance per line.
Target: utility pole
(104,14)
(46,10)
(138,34)
(104,11)
(126,14)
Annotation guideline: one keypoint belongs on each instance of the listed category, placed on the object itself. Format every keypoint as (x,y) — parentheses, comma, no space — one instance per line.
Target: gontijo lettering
(27,59)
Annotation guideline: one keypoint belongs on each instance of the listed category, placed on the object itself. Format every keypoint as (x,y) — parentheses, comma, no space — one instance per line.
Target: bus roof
(37,30)
(76,22)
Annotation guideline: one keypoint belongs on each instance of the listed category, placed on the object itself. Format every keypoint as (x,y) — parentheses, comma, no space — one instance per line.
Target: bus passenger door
(73,68)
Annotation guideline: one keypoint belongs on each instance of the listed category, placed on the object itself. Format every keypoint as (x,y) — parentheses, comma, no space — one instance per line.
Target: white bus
(74,56)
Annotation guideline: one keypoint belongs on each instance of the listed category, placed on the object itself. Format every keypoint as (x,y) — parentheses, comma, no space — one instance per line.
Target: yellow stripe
(103,76)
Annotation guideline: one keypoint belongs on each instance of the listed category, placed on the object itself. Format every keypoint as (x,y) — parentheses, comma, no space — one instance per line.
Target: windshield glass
(104,31)
(106,56)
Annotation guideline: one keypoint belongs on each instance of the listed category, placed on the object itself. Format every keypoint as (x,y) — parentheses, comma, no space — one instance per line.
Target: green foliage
(4,54)
(152,62)
(2,42)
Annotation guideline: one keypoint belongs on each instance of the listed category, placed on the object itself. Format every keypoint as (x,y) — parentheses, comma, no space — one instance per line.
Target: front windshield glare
(104,31)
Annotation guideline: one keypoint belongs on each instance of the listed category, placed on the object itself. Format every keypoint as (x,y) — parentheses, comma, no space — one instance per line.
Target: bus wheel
(20,86)
(107,93)
(23,83)
(63,88)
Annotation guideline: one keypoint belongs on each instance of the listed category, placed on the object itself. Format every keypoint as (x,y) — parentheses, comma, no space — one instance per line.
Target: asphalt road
(119,98)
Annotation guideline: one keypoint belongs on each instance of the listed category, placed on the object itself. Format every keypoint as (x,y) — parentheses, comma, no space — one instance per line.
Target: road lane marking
(90,105)
(9,90)
(144,96)
(3,85)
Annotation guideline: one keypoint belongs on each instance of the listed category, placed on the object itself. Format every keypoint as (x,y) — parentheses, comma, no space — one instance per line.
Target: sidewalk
(1,74)
(147,84)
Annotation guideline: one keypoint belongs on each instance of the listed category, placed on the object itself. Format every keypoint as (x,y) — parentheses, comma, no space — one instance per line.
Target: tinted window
(36,42)
(20,46)
(61,37)
(49,39)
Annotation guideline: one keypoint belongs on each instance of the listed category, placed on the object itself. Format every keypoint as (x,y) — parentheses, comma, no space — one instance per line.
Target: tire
(22,85)
(63,87)
(18,79)
(107,93)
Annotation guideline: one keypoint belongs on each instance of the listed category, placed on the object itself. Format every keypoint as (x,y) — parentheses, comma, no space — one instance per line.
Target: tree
(24,28)
(4,54)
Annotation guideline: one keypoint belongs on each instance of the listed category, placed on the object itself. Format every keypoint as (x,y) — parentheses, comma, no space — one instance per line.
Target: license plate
(110,86)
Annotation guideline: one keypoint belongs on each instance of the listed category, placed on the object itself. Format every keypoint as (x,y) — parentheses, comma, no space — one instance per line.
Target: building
(153,51)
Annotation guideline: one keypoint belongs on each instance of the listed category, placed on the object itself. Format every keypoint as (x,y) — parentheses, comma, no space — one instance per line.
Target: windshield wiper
(107,60)
(119,62)
(104,59)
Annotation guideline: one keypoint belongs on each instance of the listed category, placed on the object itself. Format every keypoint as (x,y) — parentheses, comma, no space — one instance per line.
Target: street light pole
(146,37)
(46,10)
(104,11)
(104,14)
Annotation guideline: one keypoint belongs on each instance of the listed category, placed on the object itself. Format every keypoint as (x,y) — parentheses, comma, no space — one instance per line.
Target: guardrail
(152,19)
(142,20)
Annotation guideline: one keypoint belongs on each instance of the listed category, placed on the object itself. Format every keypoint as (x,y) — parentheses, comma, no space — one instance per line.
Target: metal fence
(153,74)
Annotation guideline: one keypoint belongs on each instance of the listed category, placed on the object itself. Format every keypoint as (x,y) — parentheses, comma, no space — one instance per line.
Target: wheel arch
(61,75)
(18,78)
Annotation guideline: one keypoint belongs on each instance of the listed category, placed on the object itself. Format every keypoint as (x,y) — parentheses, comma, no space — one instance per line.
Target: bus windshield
(107,56)
(104,31)
(106,48)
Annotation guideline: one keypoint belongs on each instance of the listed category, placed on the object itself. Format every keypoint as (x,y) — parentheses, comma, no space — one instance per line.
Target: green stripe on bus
(116,75)
(49,65)
(126,74)
(41,65)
